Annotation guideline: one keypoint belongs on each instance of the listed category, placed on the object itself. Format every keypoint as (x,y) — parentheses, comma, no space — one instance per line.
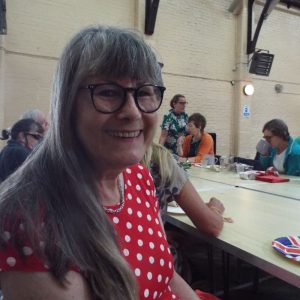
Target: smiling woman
(81,219)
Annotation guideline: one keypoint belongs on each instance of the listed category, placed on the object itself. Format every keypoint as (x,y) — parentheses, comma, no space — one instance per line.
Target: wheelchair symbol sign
(246,111)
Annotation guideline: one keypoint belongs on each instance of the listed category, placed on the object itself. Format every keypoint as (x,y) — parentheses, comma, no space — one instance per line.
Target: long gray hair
(53,195)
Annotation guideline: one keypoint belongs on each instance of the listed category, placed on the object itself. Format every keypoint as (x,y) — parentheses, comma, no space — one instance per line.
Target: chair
(297,139)
(214,136)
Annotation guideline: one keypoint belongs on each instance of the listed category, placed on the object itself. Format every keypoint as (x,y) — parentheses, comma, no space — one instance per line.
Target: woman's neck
(282,146)
(197,137)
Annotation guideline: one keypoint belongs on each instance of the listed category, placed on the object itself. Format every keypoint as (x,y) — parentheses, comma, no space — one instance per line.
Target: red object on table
(271,178)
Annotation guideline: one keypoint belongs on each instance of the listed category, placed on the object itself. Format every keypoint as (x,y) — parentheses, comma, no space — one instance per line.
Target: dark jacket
(11,157)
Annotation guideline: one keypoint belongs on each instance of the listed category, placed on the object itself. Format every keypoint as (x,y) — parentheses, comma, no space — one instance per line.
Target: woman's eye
(107,93)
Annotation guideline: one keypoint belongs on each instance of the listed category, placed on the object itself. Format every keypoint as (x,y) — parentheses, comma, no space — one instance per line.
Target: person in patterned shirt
(174,123)
(80,219)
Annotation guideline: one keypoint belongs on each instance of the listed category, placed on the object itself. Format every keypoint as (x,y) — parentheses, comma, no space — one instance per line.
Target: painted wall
(201,44)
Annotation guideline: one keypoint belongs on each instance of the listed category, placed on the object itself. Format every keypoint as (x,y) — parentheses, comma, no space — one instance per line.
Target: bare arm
(180,288)
(42,285)
(207,218)
(163,136)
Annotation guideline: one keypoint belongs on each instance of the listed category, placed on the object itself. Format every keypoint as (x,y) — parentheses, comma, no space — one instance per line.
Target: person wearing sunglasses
(81,221)
(24,135)
(174,123)
(278,149)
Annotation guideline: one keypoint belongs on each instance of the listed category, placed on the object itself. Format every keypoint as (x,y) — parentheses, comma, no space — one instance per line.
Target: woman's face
(274,140)
(192,129)
(30,138)
(116,140)
(179,106)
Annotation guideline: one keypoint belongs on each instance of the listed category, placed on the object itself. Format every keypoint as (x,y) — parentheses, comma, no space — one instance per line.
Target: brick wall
(201,44)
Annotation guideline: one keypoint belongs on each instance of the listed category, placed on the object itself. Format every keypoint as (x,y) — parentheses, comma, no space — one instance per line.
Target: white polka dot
(151,245)
(138,187)
(137,272)
(6,235)
(156,221)
(139,214)
(140,228)
(148,182)
(161,262)
(159,278)
(125,252)
(116,220)
(169,251)
(141,167)
(151,260)
(159,234)
(150,231)
(140,243)
(147,204)
(167,280)
(129,196)
(149,275)
(138,200)
(170,265)
(155,294)
(127,238)
(11,261)
(27,251)
(129,210)
(149,218)
(139,176)
(139,256)
(148,192)
(146,293)
(129,182)
(128,171)
(125,186)
(173,296)
(128,225)
(162,247)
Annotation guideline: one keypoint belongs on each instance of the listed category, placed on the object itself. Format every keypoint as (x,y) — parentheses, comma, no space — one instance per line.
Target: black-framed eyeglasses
(268,138)
(36,136)
(108,98)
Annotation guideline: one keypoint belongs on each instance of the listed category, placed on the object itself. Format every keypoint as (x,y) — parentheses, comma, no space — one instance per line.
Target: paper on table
(175,210)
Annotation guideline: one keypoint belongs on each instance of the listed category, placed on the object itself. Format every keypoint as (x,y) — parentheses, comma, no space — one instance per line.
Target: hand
(180,141)
(263,147)
(216,205)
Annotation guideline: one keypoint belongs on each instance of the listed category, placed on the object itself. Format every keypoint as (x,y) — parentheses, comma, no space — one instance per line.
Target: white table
(258,219)
(290,189)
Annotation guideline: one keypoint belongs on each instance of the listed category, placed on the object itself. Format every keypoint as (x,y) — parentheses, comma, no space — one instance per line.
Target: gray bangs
(116,54)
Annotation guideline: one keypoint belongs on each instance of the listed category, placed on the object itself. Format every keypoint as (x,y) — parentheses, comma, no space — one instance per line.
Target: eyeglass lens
(110,97)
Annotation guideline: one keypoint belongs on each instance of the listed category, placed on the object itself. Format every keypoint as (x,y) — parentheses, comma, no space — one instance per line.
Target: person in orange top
(198,143)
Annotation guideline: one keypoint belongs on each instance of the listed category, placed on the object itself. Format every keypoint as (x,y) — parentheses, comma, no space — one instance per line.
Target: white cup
(209,160)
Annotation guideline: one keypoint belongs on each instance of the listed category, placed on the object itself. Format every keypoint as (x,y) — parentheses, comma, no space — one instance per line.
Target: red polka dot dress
(141,236)
(141,239)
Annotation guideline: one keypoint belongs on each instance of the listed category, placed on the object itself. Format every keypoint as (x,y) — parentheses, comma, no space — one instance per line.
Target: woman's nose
(130,109)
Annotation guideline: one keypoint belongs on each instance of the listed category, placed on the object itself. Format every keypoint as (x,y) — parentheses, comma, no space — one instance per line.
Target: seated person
(198,143)
(25,134)
(284,155)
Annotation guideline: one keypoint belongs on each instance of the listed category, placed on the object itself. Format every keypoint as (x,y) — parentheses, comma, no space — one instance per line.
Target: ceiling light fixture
(248,89)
